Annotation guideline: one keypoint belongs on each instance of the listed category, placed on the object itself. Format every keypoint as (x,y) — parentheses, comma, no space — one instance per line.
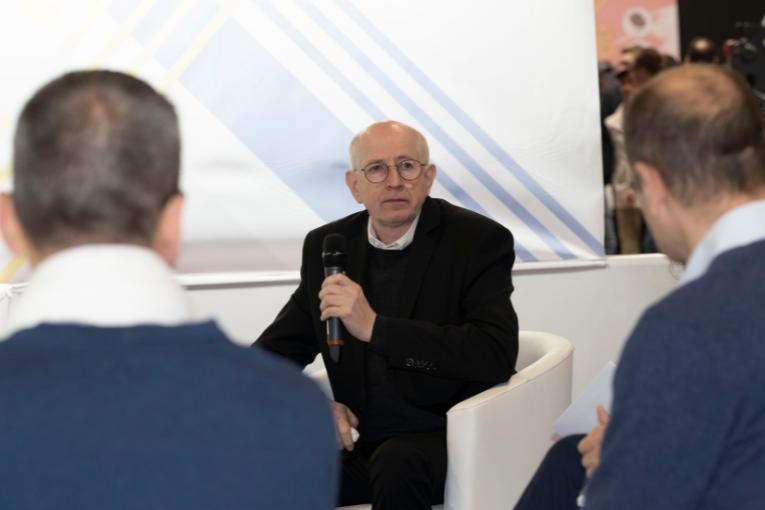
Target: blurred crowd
(625,230)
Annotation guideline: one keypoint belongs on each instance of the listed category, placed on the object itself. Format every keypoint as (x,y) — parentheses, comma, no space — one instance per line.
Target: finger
(603,416)
(352,419)
(344,429)
(330,301)
(333,311)
(590,441)
(586,464)
(336,279)
(585,445)
(348,441)
(331,290)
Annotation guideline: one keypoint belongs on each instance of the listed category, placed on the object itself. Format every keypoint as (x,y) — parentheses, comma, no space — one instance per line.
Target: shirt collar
(104,285)
(400,244)
(739,227)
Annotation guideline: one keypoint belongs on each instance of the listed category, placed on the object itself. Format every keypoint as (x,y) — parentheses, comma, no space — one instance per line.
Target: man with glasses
(426,305)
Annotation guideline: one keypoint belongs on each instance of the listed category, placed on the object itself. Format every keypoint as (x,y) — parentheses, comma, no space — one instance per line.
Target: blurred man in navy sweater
(109,397)
(688,423)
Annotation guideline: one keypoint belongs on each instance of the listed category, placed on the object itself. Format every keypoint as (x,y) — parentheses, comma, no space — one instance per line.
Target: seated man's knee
(393,460)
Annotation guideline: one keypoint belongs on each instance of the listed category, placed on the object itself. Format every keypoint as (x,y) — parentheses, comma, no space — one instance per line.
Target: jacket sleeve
(480,343)
(292,333)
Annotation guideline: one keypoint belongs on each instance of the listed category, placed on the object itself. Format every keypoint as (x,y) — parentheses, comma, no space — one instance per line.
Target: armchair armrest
(498,438)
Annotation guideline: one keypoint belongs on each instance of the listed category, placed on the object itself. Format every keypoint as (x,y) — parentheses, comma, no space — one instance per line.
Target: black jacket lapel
(421,250)
(358,255)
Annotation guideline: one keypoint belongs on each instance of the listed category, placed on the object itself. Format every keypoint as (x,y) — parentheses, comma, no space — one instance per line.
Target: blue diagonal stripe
(473,128)
(318,57)
(418,113)
(469,202)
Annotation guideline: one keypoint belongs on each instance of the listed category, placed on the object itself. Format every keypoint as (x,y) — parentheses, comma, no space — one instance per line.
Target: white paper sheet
(582,416)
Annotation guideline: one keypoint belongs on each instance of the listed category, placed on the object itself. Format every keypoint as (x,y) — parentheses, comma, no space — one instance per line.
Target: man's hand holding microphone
(342,299)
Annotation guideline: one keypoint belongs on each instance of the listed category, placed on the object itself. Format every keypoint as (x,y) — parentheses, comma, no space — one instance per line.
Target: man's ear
(653,195)
(429,173)
(167,236)
(351,179)
(13,232)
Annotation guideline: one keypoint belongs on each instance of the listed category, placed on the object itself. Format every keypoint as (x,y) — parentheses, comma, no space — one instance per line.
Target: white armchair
(497,438)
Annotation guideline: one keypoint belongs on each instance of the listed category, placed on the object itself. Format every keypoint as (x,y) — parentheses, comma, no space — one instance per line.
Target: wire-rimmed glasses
(408,169)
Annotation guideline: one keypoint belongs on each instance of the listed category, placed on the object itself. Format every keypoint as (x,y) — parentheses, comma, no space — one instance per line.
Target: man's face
(394,202)
(625,62)
(626,87)
(640,76)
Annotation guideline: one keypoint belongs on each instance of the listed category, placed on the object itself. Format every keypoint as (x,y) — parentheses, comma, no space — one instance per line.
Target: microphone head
(334,251)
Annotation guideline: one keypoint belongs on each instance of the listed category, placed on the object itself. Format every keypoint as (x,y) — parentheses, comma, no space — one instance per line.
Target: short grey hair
(422,144)
(97,158)
(700,127)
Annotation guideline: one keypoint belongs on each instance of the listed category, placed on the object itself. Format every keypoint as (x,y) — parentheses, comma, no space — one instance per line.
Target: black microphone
(334,257)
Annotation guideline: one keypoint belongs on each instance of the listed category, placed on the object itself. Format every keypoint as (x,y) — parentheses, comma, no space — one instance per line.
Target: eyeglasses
(408,169)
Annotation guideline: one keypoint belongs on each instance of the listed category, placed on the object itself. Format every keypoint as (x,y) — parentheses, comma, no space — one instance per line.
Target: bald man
(701,50)
(426,306)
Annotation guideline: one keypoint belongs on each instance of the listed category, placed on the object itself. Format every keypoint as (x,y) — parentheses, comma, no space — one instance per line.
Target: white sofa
(497,439)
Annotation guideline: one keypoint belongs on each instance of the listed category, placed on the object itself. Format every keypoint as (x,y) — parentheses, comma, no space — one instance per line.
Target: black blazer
(456,333)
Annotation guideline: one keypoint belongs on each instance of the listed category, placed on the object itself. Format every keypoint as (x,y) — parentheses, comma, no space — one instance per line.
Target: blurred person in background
(610,99)
(629,223)
(669,61)
(701,50)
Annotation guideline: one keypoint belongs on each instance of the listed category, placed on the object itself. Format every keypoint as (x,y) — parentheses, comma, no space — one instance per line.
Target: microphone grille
(334,243)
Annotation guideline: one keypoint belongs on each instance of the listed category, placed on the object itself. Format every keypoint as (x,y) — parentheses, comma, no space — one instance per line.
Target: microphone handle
(334,324)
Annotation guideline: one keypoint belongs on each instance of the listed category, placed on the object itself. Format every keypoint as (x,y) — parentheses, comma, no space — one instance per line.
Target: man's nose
(394,179)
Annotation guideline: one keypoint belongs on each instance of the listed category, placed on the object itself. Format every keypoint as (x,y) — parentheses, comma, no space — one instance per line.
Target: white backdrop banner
(270,93)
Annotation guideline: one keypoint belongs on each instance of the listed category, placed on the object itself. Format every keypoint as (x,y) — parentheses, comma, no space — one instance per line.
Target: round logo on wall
(637,22)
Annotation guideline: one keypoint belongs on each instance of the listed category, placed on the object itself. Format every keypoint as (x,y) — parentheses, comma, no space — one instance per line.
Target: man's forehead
(388,143)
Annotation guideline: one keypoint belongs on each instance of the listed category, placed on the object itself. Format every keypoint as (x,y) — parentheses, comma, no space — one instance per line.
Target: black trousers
(401,473)
(558,480)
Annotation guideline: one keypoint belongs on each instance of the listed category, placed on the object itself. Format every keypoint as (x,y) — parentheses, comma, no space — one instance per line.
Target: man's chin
(397,219)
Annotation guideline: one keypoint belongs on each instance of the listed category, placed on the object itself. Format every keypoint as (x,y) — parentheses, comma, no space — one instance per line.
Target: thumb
(603,416)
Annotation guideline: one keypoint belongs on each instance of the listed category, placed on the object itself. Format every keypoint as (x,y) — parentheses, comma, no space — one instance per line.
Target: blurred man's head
(668,61)
(97,158)
(626,86)
(626,59)
(648,63)
(390,173)
(695,138)
(701,50)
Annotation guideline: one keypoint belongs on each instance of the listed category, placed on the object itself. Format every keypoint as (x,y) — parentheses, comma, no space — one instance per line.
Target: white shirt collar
(400,244)
(739,227)
(105,285)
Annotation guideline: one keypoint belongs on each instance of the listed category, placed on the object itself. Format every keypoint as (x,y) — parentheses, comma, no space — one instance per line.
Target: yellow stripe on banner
(5,124)
(130,24)
(198,45)
(6,172)
(162,35)
(85,26)
(12,267)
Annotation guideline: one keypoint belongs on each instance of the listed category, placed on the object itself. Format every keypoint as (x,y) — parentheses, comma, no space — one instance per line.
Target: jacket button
(409,362)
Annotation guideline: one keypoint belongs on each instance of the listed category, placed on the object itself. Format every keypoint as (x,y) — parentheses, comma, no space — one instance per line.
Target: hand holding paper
(589,447)
(580,417)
